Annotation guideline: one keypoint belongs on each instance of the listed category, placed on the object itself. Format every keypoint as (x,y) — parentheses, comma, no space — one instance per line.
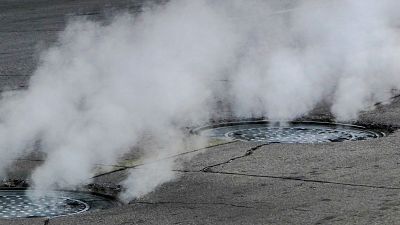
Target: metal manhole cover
(18,204)
(296,132)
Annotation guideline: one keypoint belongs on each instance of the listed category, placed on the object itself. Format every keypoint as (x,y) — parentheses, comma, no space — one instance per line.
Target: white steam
(104,86)
(343,51)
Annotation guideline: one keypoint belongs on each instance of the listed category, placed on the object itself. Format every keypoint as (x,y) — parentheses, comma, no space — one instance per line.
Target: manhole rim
(199,130)
(87,205)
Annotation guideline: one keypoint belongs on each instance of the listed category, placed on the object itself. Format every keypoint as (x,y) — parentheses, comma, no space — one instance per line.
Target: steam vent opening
(294,132)
(19,204)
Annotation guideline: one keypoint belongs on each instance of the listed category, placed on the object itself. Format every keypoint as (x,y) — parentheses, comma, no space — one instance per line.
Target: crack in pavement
(155,161)
(293,179)
(391,98)
(208,169)
(396,96)
(193,203)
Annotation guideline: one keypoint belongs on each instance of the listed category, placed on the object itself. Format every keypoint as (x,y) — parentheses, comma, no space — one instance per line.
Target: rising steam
(103,87)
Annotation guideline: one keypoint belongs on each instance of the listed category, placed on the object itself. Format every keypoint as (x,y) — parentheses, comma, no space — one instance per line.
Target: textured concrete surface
(230,183)
(28,26)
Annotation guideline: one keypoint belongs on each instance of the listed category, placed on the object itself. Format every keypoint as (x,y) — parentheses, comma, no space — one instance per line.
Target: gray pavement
(230,183)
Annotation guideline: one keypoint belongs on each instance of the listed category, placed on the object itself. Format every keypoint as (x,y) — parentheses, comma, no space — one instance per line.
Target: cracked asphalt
(223,183)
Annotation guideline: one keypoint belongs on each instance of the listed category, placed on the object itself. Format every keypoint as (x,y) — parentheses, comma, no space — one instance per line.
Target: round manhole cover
(19,204)
(295,132)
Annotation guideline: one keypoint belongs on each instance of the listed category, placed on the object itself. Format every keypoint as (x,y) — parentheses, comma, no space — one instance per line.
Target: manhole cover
(296,132)
(18,204)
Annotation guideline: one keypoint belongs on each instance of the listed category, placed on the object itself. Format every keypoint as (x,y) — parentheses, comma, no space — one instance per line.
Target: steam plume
(102,87)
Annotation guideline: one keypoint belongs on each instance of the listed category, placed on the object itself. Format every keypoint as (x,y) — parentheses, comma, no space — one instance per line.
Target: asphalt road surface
(232,183)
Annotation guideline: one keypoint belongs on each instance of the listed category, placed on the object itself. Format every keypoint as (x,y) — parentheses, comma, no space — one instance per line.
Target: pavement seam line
(391,98)
(192,203)
(122,168)
(294,179)
(250,151)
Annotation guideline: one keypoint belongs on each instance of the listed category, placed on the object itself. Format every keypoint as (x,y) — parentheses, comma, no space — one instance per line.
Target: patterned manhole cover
(296,132)
(18,204)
